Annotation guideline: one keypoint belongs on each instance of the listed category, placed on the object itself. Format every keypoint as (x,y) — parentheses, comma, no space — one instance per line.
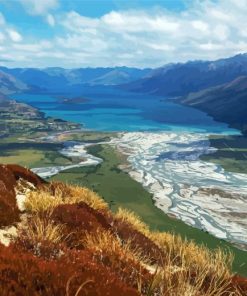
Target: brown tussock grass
(107,243)
(40,229)
(174,281)
(184,269)
(41,235)
(41,201)
(133,219)
(76,194)
(47,198)
(92,199)
(187,269)
(128,262)
(186,253)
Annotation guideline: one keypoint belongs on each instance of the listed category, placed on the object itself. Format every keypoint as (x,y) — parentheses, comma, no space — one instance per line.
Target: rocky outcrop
(9,175)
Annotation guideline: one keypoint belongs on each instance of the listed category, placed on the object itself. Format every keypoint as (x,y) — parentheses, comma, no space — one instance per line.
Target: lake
(111,109)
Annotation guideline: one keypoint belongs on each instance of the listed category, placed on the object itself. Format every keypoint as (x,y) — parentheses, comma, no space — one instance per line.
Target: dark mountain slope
(227,102)
(9,84)
(181,79)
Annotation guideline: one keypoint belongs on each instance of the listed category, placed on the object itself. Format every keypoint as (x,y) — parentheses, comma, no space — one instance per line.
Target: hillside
(18,119)
(226,103)
(9,84)
(183,78)
(11,106)
(57,239)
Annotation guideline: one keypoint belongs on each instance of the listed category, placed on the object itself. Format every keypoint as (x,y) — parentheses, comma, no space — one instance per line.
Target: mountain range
(53,79)
(170,80)
(183,78)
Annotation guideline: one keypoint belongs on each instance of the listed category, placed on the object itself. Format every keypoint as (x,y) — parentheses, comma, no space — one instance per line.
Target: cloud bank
(206,30)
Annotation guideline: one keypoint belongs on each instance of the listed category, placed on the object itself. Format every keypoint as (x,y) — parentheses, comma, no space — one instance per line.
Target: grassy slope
(31,154)
(19,148)
(86,136)
(118,189)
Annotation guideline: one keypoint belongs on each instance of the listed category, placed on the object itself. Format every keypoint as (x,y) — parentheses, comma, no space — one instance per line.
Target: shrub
(47,198)
(126,261)
(42,236)
(132,219)
(78,219)
(41,201)
(75,194)
(21,273)
(8,207)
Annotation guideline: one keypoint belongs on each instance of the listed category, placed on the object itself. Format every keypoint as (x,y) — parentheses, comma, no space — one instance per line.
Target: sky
(108,33)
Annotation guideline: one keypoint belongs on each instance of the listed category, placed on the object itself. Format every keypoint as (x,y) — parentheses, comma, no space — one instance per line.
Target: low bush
(75,194)
(75,274)
(42,236)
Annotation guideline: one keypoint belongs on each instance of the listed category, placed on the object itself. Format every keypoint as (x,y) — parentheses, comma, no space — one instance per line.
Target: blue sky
(139,33)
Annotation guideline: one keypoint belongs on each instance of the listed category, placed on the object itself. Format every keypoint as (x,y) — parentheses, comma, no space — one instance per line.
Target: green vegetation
(21,127)
(120,190)
(33,154)
(231,153)
(86,136)
(27,150)
(27,120)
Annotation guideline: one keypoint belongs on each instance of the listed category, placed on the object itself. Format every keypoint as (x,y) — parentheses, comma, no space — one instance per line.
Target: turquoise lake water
(111,109)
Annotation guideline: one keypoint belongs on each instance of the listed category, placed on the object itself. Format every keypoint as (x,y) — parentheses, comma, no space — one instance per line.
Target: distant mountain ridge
(9,84)
(183,78)
(174,79)
(55,78)
(227,102)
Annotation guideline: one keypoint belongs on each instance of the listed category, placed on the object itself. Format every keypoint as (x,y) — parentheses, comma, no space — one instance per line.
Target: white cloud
(39,7)
(200,25)
(33,47)
(8,36)
(50,20)
(73,21)
(2,37)
(210,46)
(162,23)
(206,30)
(14,35)
(162,47)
